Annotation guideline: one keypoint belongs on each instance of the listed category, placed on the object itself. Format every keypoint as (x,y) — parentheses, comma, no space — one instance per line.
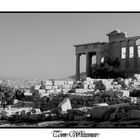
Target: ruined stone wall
(82,100)
(116,36)
(115,50)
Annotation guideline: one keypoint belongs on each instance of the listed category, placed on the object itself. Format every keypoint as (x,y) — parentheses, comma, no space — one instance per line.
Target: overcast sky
(40,45)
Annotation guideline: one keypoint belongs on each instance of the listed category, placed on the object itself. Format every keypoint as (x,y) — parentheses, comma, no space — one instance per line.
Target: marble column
(127,57)
(87,64)
(77,67)
(135,56)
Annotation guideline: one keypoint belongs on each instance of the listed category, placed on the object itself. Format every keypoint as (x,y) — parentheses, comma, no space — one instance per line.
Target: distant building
(120,47)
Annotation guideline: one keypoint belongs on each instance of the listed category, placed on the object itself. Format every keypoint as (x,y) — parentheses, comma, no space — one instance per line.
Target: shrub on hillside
(6,95)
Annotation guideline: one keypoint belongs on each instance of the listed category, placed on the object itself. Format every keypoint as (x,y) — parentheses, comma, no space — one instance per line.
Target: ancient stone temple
(119,47)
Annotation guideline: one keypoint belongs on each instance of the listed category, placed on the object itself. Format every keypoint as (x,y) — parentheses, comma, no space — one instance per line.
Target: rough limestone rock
(99,85)
(71,116)
(81,110)
(33,117)
(23,114)
(98,112)
(101,104)
(126,93)
(35,111)
(79,113)
(120,105)
(79,117)
(133,114)
(105,124)
(109,115)
(4,114)
(64,105)
(117,114)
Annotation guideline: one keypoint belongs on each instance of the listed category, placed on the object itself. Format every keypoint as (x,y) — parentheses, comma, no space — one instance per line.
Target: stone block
(48,83)
(65,105)
(91,98)
(98,112)
(85,98)
(37,87)
(118,86)
(90,103)
(79,111)
(36,93)
(79,117)
(97,99)
(41,91)
(36,104)
(99,85)
(101,104)
(35,111)
(73,101)
(58,90)
(136,83)
(88,78)
(80,90)
(70,115)
(79,105)
(120,116)
(23,114)
(77,97)
(4,114)
(85,86)
(32,89)
(48,87)
(122,105)
(133,114)
(105,124)
(126,93)
(33,117)
(133,100)
(65,116)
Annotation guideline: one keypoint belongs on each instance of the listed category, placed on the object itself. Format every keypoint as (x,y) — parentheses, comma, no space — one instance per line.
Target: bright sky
(40,45)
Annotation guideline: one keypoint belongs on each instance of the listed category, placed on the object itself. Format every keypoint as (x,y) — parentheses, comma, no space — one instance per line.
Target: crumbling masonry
(125,49)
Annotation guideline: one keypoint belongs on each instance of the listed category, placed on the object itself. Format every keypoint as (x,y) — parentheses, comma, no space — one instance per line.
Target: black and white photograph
(69,70)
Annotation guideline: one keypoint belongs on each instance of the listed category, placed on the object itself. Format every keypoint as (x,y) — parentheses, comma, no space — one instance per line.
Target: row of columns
(88,65)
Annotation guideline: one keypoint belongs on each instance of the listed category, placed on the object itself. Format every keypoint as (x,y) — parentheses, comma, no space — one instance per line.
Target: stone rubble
(100,101)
